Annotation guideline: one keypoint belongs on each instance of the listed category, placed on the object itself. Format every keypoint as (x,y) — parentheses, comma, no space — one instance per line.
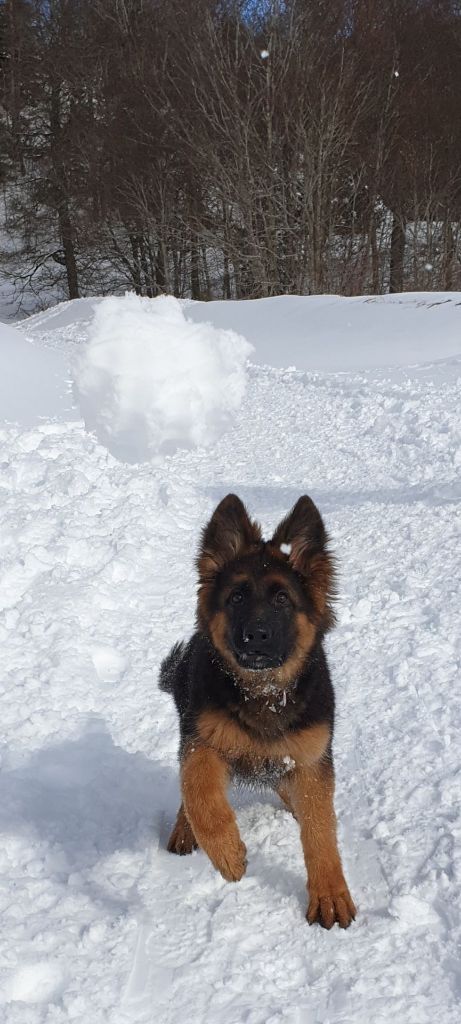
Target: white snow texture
(149,381)
(34,382)
(99,924)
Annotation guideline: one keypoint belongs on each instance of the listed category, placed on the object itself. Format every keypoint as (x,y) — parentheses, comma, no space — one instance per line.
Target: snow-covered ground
(99,922)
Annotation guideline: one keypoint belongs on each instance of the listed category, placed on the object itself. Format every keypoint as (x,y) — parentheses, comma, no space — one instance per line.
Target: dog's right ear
(229,535)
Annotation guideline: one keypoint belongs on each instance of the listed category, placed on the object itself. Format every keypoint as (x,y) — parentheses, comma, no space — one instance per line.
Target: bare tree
(222,148)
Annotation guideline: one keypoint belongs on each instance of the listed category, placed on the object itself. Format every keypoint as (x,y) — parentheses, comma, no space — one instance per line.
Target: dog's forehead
(261,568)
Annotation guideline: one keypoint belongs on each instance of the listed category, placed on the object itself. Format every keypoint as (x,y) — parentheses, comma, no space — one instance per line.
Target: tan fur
(278,678)
(238,536)
(204,778)
(284,794)
(222,734)
(254,733)
(309,792)
(322,587)
(319,572)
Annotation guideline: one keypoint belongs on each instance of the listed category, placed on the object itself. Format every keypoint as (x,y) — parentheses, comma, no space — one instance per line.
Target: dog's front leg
(311,793)
(204,779)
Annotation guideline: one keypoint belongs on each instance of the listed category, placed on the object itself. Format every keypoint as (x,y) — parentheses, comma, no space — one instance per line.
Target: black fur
(197,678)
(254,696)
(234,560)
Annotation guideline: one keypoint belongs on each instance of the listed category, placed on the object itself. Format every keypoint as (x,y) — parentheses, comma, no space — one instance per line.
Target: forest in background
(223,149)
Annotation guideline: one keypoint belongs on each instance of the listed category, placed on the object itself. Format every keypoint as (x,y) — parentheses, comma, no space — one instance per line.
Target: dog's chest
(266,717)
(261,772)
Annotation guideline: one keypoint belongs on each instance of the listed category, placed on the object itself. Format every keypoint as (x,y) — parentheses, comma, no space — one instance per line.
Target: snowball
(150,381)
(264,54)
(285,549)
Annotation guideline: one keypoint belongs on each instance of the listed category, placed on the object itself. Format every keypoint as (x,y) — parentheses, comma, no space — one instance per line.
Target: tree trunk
(195,270)
(226,269)
(160,275)
(397,253)
(65,229)
(448,256)
(374,256)
(61,194)
(206,274)
(136,266)
(148,283)
(226,278)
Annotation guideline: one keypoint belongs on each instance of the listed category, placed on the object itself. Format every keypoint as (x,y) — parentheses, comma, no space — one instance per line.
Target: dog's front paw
(229,856)
(327,908)
(182,839)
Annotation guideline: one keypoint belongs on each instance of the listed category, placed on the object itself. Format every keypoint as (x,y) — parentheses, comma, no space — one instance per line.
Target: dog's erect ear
(301,534)
(303,539)
(229,535)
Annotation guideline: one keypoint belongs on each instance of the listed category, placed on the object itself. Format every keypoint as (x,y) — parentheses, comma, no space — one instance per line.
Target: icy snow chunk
(109,663)
(285,549)
(150,381)
(413,911)
(40,982)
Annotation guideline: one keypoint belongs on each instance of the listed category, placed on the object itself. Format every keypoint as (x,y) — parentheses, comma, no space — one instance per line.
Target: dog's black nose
(259,633)
(257,644)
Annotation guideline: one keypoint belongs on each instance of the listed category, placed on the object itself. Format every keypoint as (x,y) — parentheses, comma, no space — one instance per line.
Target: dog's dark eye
(281,598)
(236,597)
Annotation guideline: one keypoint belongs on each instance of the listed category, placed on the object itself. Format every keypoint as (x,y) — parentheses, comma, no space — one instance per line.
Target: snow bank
(331,333)
(311,332)
(149,381)
(34,382)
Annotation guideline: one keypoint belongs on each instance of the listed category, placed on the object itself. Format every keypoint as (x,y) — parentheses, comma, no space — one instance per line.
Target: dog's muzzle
(258,647)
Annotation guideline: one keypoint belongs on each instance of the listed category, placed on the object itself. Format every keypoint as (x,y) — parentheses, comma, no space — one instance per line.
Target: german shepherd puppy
(254,695)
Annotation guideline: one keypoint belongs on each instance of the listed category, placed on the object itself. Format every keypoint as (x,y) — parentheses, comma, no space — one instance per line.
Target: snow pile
(34,383)
(149,381)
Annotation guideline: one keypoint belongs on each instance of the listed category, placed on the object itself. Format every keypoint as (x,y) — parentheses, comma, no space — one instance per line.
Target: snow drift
(150,381)
(320,333)
(34,382)
(333,332)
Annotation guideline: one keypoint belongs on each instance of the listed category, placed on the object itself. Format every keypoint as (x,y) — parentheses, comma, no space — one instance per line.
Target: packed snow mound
(34,383)
(150,381)
(64,325)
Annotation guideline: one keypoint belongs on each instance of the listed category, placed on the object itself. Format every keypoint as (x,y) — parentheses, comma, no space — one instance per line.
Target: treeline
(216,148)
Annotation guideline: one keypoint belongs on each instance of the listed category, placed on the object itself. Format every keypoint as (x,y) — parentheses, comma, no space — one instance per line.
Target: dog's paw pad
(329,910)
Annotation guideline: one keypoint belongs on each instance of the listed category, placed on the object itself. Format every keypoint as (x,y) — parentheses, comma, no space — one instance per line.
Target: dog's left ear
(229,534)
(302,537)
(301,534)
